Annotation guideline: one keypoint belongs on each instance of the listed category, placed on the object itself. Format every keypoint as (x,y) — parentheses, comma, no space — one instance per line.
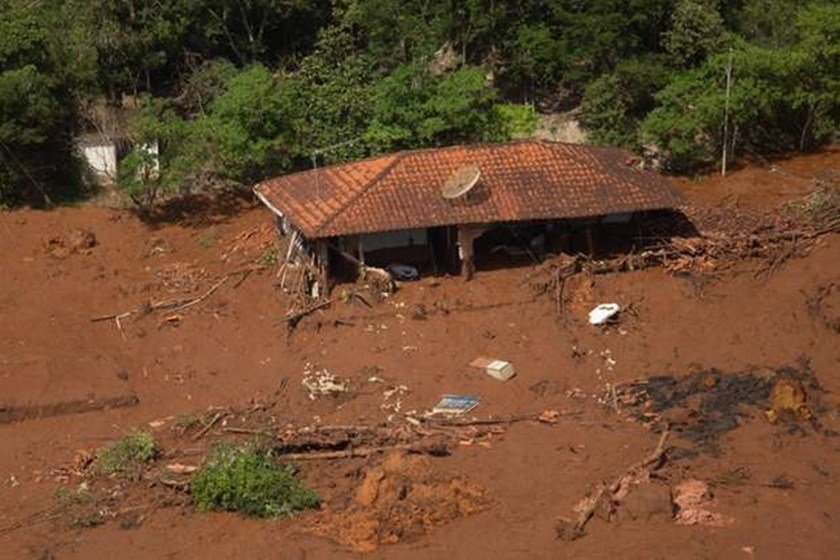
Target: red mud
(232,348)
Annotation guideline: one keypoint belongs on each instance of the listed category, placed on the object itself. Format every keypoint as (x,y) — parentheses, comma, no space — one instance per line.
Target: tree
(696,31)
(782,99)
(334,89)
(815,72)
(39,72)
(614,104)
(247,132)
(412,108)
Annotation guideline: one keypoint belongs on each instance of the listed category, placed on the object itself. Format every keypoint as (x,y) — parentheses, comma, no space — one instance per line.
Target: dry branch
(210,424)
(434,448)
(294,317)
(570,531)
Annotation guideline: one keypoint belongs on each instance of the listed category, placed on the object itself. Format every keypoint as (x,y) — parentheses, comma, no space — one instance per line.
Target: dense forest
(235,90)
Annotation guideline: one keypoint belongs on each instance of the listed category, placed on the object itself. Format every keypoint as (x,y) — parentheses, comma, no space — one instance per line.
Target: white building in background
(100,154)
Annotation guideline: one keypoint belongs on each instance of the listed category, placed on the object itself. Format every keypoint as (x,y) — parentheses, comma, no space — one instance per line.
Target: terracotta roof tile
(523,180)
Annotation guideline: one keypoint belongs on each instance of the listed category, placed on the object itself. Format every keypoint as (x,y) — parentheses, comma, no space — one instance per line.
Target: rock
(81,239)
(76,241)
(567,530)
(646,502)
(787,397)
(692,498)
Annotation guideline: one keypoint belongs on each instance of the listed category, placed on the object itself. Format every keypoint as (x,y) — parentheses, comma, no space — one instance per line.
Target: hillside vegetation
(236,90)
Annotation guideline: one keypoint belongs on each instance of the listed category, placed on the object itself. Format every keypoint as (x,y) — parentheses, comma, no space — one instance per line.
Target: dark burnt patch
(703,406)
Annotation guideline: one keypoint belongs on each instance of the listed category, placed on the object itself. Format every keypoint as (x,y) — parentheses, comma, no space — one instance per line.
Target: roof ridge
(387,169)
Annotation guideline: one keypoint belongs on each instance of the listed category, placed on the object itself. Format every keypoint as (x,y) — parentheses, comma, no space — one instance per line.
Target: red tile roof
(523,180)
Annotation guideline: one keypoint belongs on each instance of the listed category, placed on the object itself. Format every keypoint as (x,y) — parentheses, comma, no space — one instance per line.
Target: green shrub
(127,454)
(248,480)
(79,506)
(269,257)
(515,120)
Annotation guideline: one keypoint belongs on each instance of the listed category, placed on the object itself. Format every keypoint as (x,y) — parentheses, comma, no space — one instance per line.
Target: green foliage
(79,506)
(244,131)
(785,98)
(248,480)
(269,258)
(145,175)
(412,108)
(333,91)
(536,57)
(614,104)
(399,32)
(515,120)
(768,22)
(696,31)
(127,454)
(38,70)
(249,125)
(232,92)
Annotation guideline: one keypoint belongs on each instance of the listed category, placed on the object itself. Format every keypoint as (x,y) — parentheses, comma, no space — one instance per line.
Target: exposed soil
(192,324)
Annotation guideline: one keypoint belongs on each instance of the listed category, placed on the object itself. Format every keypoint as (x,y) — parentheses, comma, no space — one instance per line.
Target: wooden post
(590,241)
(323,258)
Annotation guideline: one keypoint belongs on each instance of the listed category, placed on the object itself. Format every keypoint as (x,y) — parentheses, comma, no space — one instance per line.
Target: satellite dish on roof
(461,182)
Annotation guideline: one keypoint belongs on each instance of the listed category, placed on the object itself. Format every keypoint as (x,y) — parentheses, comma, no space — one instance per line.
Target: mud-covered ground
(68,384)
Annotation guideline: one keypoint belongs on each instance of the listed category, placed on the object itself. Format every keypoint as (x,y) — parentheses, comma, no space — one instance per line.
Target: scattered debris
(824,306)
(549,416)
(403,272)
(604,313)
(322,383)
(606,496)
(455,404)
(709,241)
(704,405)
(692,498)
(178,468)
(392,398)
(171,305)
(76,241)
(498,369)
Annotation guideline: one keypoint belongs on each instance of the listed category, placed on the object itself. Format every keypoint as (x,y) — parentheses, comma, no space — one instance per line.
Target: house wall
(102,159)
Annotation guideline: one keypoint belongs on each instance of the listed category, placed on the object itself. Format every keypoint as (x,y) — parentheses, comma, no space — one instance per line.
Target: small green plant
(249,480)
(79,506)
(207,240)
(127,453)
(268,258)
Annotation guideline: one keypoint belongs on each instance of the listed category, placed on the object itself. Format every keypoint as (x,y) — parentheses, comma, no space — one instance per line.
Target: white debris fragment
(322,382)
(603,313)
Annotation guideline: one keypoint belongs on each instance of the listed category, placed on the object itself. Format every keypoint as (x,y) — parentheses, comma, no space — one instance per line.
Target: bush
(249,481)
(79,506)
(127,454)
(515,120)
(614,104)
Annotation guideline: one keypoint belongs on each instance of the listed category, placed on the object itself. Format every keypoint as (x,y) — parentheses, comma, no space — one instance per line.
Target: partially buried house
(444,209)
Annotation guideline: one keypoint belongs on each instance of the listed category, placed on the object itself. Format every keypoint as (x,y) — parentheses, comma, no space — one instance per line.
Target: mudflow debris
(322,383)
(703,406)
(400,499)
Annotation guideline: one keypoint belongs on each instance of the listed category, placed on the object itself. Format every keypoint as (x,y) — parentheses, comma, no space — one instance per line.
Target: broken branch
(570,531)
